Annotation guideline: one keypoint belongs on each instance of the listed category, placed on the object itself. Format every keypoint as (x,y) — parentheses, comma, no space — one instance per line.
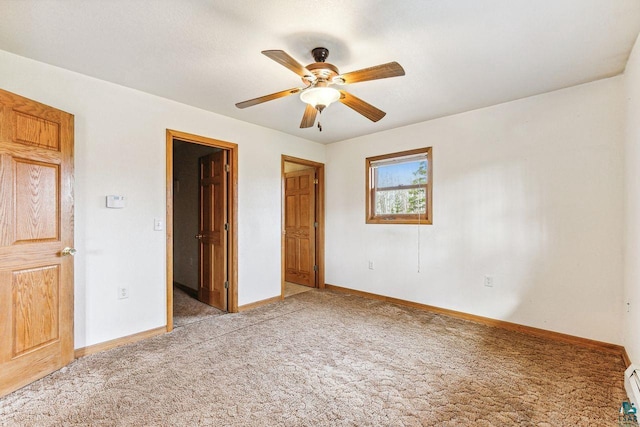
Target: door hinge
(226,226)
(315,181)
(315,224)
(226,285)
(315,268)
(227,168)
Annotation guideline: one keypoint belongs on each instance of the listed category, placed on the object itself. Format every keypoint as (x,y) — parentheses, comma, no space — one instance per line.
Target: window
(399,188)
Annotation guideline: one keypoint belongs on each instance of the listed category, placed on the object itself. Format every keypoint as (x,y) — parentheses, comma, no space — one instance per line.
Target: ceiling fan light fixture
(320,97)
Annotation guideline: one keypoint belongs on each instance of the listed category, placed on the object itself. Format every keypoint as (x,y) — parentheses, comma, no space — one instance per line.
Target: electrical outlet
(488,281)
(123,293)
(370,265)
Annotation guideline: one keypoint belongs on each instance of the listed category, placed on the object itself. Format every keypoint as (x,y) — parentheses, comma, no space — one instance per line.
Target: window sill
(400,220)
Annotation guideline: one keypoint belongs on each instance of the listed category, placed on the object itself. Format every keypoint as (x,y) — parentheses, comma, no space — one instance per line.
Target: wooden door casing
(36,223)
(299,227)
(212,264)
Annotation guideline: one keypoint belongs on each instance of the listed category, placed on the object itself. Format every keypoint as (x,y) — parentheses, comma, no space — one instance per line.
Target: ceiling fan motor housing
(322,71)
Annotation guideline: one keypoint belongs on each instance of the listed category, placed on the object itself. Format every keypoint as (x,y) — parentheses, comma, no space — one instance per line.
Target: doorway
(201,225)
(302,225)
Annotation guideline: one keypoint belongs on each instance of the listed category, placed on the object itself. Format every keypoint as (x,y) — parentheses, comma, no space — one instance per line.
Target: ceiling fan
(319,78)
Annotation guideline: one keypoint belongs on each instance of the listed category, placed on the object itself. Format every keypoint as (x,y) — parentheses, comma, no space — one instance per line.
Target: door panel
(213,235)
(33,130)
(305,264)
(36,219)
(299,222)
(35,295)
(36,201)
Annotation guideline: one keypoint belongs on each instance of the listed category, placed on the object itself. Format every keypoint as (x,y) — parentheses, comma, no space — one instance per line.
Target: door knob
(198,236)
(68,251)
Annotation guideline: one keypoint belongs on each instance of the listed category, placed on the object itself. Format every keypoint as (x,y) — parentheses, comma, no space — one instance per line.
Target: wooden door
(212,275)
(36,224)
(299,228)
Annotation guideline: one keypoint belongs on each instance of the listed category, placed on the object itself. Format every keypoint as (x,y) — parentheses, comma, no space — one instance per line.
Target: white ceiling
(458,55)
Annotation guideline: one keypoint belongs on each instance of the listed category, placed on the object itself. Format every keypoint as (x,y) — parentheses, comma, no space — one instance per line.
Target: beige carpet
(188,310)
(325,359)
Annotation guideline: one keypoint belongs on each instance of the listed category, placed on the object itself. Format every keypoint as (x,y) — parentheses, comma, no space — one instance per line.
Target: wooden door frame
(232,255)
(319,168)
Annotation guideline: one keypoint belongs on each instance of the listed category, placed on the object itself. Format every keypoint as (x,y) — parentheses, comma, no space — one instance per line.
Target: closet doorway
(302,225)
(201,227)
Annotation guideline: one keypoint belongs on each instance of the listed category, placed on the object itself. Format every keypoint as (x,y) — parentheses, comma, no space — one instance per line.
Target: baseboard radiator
(632,384)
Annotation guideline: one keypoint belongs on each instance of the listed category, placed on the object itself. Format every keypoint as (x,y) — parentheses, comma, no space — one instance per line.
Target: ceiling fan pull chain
(319,127)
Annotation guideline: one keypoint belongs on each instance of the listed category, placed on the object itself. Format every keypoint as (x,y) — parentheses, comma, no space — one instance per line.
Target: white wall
(528,191)
(632,207)
(120,138)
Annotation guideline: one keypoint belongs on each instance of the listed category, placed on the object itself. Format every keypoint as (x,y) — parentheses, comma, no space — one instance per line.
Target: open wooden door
(214,227)
(300,235)
(36,232)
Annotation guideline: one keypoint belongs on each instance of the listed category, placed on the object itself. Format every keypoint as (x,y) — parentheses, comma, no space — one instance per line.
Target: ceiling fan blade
(283,58)
(309,117)
(364,108)
(260,100)
(390,69)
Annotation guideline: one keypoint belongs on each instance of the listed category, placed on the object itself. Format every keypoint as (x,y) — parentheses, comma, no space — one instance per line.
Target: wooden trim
(232,303)
(405,153)
(193,293)
(625,357)
(321,224)
(169,230)
(542,333)
(118,342)
(232,258)
(371,218)
(320,241)
(403,187)
(257,304)
(282,225)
